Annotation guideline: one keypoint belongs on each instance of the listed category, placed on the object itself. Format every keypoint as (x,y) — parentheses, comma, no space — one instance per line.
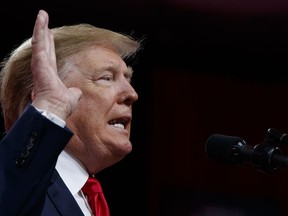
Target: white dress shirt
(71,170)
(74,176)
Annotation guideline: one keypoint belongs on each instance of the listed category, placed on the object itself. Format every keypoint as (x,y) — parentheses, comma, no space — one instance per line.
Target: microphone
(234,150)
(277,136)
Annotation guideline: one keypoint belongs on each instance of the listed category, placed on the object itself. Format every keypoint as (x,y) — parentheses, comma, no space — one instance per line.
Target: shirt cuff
(52,117)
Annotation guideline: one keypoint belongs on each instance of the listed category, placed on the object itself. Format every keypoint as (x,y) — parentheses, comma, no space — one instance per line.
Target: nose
(128,94)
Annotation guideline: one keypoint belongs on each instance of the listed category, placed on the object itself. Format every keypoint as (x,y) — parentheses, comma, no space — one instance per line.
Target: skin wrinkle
(97,139)
(73,74)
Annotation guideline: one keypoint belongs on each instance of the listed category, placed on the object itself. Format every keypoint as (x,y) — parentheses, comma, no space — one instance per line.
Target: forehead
(101,58)
(99,52)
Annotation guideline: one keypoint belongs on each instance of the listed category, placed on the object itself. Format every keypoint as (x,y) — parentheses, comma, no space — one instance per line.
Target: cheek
(97,106)
(85,126)
(90,115)
(89,106)
(92,110)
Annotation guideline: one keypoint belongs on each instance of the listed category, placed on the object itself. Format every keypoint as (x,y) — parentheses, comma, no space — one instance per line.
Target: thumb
(75,95)
(76,92)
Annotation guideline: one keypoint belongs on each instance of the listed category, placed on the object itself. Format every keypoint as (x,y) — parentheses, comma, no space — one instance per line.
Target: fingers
(48,38)
(52,53)
(43,48)
(39,32)
(43,39)
(49,92)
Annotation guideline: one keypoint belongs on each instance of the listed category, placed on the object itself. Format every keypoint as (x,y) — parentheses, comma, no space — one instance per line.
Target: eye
(107,78)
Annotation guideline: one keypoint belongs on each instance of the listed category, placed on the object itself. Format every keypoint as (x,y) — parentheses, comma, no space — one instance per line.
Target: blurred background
(207,67)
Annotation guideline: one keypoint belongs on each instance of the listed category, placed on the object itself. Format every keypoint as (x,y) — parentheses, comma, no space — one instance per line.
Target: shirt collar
(71,171)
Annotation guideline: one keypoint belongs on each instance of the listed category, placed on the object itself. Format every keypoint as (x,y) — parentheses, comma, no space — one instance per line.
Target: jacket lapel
(61,198)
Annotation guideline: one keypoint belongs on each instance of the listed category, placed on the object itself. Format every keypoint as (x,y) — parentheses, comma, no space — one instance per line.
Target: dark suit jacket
(29,183)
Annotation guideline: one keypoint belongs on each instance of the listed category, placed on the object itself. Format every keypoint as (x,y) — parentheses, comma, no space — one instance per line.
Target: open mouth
(119,123)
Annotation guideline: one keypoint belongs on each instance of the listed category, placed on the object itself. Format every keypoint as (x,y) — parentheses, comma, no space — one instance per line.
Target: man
(72,100)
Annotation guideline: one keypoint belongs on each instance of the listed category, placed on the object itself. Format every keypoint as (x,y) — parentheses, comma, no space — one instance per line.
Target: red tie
(93,190)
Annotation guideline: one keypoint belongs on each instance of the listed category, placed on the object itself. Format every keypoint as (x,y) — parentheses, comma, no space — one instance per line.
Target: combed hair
(16,76)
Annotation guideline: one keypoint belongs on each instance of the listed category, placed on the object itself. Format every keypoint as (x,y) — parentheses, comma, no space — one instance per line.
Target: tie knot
(92,186)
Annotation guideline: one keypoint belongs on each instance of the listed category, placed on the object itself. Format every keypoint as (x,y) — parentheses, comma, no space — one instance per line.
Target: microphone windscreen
(223,148)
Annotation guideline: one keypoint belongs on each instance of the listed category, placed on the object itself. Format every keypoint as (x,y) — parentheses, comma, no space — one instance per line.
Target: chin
(123,149)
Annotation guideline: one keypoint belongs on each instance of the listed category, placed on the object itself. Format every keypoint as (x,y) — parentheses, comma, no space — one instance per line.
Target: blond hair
(16,75)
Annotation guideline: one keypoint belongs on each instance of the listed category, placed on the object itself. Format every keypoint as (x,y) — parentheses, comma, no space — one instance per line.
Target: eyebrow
(129,72)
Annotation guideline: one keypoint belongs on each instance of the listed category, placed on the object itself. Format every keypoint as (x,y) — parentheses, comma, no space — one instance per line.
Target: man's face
(102,121)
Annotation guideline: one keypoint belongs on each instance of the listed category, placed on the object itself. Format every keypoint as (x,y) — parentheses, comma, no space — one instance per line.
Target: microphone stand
(266,155)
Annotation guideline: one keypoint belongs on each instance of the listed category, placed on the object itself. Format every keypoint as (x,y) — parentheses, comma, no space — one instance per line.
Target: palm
(48,91)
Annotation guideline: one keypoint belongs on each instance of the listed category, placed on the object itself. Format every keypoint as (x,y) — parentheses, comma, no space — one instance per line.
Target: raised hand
(49,93)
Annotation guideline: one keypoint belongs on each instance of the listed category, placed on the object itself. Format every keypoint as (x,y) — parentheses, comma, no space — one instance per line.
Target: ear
(32,95)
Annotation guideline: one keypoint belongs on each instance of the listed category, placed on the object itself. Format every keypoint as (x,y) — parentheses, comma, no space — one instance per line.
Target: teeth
(119,125)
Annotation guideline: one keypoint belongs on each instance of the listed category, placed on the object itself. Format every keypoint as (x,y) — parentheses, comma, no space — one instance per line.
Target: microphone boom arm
(265,156)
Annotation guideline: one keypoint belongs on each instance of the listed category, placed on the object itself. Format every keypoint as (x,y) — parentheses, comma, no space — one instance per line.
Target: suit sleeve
(28,154)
